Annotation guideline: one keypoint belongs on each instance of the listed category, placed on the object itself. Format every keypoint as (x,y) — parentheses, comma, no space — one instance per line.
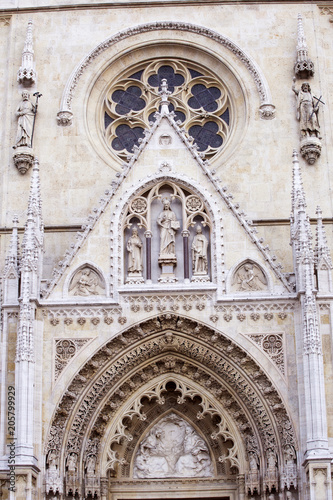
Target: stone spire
(301,235)
(31,268)
(11,270)
(164,93)
(26,75)
(322,260)
(304,67)
(33,238)
(308,335)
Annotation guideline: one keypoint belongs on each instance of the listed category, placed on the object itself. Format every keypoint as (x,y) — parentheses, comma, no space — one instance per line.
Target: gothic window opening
(199,100)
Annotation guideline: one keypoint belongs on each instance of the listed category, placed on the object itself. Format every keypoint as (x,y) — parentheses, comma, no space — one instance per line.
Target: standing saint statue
(25,113)
(199,253)
(134,248)
(169,225)
(307,111)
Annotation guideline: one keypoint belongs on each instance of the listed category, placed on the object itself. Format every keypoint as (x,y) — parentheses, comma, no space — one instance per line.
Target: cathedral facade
(166,225)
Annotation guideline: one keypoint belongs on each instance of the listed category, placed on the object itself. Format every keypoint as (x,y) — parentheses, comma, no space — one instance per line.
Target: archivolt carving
(171,344)
(65,114)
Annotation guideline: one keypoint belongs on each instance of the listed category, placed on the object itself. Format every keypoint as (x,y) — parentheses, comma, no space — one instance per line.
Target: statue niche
(156,242)
(174,449)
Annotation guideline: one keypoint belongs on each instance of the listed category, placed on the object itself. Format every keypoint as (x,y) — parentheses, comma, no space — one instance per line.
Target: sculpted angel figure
(307,111)
(169,224)
(85,283)
(25,113)
(134,248)
(248,279)
(199,253)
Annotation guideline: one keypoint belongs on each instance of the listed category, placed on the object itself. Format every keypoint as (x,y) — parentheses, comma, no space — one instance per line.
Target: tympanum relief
(86,282)
(249,277)
(166,229)
(172,449)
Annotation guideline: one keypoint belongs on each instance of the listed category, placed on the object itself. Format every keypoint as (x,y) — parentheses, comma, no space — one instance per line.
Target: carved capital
(64,118)
(23,158)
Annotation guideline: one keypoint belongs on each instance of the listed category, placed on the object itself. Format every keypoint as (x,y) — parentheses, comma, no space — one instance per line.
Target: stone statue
(169,225)
(71,462)
(91,462)
(199,253)
(249,279)
(134,248)
(25,113)
(172,449)
(85,283)
(307,111)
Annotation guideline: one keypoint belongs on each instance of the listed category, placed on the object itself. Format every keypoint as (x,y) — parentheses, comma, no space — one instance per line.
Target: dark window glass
(167,72)
(137,75)
(179,114)
(127,137)
(194,73)
(204,97)
(225,116)
(128,100)
(206,135)
(107,120)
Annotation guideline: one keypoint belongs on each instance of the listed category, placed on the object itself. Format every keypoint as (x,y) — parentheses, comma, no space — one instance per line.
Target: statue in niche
(249,278)
(169,224)
(25,113)
(71,462)
(86,282)
(307,111)
(134,248)
(172,449)
(199,253)
(91,462)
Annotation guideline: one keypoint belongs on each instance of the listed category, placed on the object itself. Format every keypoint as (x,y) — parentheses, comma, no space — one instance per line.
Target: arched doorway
(169,366)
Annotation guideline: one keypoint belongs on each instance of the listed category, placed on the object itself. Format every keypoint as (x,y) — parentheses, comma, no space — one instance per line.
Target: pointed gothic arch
(132,369)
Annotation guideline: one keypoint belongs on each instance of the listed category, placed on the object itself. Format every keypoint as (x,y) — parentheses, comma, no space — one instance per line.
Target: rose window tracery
(199,100)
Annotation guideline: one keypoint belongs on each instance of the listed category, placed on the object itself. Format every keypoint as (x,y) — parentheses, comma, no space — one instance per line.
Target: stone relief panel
(273,345)
(249,277)
(65,350)
(85,282)
(172,448)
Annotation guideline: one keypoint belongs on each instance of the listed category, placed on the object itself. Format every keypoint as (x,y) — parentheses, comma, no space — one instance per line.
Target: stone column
(148,235)
(185,235)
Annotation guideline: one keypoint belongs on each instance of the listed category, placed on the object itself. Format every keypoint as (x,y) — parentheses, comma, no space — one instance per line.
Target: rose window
(199,101)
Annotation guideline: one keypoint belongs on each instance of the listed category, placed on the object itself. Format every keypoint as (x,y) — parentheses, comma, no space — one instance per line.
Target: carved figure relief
(172,449)
(134,248)
(169,224)
(25,113)
(249,277)
(307,111)
(199,253)
(86,282)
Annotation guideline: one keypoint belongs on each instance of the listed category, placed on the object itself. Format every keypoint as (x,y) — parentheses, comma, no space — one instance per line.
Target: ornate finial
(164,93)
(26,74)
(304,67)
(12,257)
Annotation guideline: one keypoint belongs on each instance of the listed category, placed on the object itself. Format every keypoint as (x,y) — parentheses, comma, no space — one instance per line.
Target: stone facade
(157,341)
